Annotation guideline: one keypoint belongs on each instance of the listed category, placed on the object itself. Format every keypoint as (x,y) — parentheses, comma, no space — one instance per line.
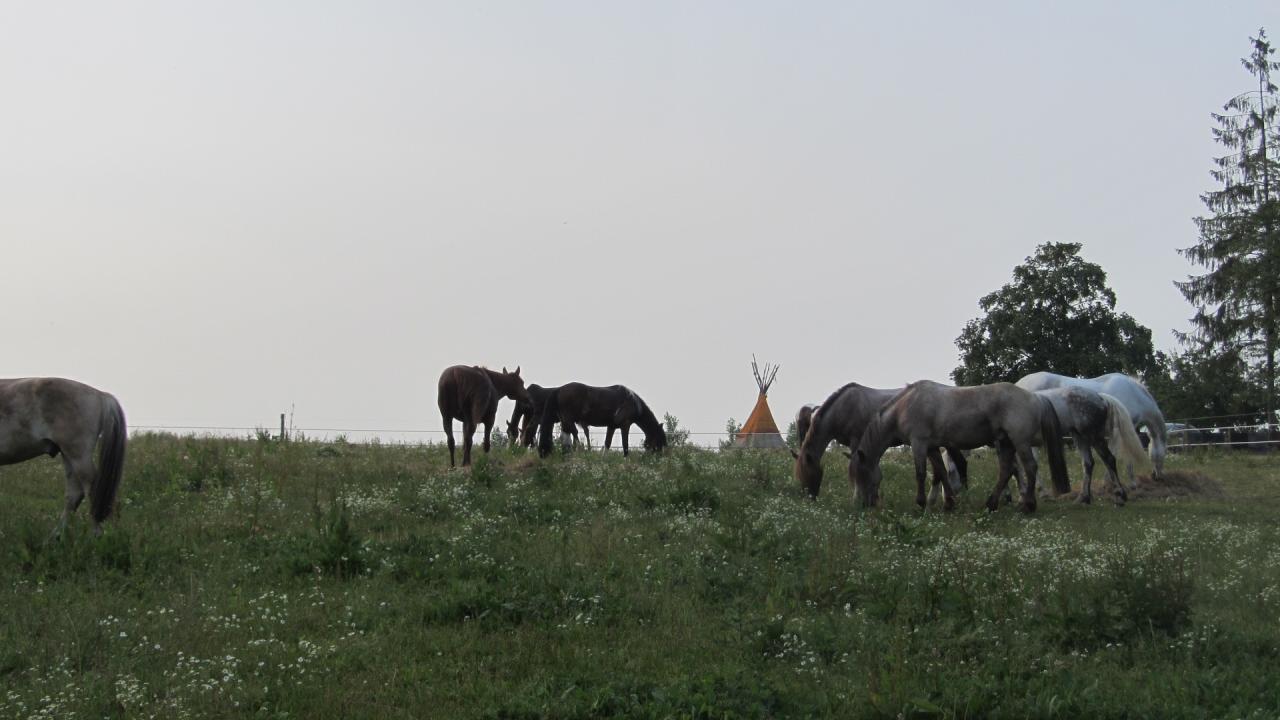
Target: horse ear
(504,369)
(517,372)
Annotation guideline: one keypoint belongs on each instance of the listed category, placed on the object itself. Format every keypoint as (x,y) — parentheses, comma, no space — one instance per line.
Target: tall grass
(258,579)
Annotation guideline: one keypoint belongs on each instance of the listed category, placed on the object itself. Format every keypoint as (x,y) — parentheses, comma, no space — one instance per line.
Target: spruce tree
(1239,243)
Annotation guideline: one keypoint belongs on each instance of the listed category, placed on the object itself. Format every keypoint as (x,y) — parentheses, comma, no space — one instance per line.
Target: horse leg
(488,427)
(1109,462)
(1029,467)
(1086,459)
(448,433)
(586,432)
(468,429)
(626,430)
(1159,445)
(920,453)
(1007,465)
(958,469)
(608,437)
(940,479)
(80,474)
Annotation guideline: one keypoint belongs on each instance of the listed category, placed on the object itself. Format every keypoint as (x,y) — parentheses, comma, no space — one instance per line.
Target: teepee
(760,430)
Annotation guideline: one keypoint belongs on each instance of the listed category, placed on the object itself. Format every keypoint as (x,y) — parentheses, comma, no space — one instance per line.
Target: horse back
(41,416)
(466,393)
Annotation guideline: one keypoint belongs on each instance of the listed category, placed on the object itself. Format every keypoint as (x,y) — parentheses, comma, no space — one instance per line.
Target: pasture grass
(246,578)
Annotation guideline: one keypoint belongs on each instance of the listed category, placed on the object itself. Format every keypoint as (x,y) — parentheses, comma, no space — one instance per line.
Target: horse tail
(102,495)
(1121,435)
(550,413)
(1051,435)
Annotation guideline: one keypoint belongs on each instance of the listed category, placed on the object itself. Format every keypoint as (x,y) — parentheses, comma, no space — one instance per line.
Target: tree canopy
(1058,315)
(1236,300)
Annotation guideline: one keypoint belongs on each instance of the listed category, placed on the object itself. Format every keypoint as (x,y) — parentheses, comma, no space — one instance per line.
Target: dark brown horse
(523,425)
(929,415)
(52,416)
(613,408)
(843,417)
(471,394)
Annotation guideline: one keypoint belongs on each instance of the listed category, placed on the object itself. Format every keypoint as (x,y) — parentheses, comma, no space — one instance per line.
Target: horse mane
(647,421)
(833,396)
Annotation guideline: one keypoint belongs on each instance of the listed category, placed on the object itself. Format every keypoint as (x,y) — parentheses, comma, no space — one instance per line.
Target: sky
(220,212)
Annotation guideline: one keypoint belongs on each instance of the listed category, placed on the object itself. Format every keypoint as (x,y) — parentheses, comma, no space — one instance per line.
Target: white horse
(52,416)
(1130,392)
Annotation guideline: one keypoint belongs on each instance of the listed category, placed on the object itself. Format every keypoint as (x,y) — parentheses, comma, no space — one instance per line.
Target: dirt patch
(1177,483)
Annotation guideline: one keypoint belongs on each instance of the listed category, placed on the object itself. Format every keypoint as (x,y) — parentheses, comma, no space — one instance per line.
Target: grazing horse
(842,417)
(48,416)
(929,415)
(523,425)
(471,395)
(614,407)
(1096,422)
(1131,393)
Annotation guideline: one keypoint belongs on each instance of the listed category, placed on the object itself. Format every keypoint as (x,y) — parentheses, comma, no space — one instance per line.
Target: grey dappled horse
(1131,393)
(53,416)
(842,417)
(929,415)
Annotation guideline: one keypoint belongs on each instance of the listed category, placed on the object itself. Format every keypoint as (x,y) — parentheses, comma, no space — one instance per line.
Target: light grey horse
(929,415)
(842,417)
(1131,393)
(52,416)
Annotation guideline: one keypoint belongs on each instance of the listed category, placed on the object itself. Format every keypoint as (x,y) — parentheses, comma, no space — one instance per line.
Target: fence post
(283,437)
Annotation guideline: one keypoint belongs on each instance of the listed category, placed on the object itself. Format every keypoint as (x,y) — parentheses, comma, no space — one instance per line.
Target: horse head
(511,385)
(808,470)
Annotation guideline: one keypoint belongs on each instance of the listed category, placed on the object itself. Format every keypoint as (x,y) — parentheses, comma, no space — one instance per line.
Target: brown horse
(929,415)
(843,417)
(471,395)
(523,425)
(613,408)
(48,416)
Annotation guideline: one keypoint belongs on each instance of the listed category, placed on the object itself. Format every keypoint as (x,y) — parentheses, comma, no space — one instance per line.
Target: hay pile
(1176,484)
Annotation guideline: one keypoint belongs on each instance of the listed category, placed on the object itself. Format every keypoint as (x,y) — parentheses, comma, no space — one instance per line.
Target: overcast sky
(221,211)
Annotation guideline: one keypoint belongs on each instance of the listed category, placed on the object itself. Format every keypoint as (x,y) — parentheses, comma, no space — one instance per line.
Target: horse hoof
(1085,499)
(948,505)
(992,504)
(1027,506)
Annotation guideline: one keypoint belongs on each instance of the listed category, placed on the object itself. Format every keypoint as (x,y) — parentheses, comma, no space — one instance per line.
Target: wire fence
(1256,436)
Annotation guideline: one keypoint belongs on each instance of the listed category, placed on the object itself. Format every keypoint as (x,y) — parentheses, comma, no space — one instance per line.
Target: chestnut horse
(471,395)
(52,416)
(613,408)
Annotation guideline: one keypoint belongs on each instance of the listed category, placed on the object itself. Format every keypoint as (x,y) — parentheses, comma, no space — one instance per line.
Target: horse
(1131,393)
(929,415)
(614,407)
(48,416)
(842,417)
(523,425)
(471,394)
(1096,422)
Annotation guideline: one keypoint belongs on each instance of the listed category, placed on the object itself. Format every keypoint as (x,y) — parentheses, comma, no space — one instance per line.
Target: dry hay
(1177,484)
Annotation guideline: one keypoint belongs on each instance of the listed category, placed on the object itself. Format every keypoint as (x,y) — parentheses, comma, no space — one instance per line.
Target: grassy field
(307,580)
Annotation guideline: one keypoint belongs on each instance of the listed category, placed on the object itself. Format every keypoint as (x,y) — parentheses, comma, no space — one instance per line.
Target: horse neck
(502,381)
(877,436)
